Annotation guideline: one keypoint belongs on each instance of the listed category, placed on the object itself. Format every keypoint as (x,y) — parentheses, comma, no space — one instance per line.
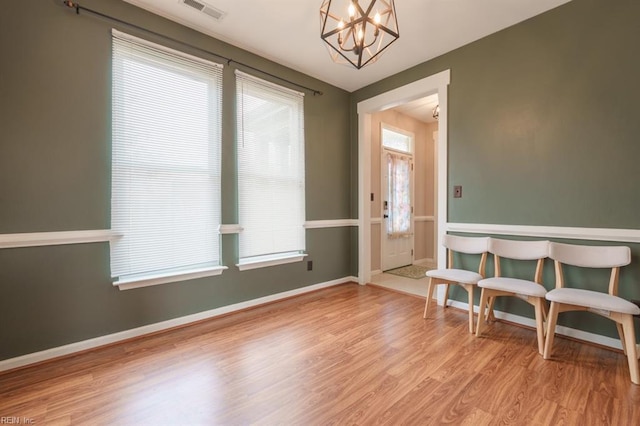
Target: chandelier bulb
(352,10)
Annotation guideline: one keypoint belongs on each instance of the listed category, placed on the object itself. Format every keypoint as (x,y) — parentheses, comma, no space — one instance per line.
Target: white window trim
(157,279)
(270,260)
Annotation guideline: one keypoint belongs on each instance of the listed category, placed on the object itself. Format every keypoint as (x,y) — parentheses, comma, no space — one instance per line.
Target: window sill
(149,280)
(266,261)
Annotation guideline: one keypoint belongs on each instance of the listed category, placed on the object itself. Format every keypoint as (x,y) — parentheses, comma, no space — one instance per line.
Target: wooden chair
(465,279)
(531,292)
(608,305)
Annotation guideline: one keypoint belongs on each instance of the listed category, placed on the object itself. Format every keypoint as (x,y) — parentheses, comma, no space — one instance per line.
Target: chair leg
(490,315)
(630,344)
(484,308)
(539,311)
(621,334)
(486,312)
(551,329)
(470,290)
(446,295)
(429,297)
(545,314)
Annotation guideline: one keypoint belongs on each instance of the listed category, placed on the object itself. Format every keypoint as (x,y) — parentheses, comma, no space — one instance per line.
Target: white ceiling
(287,31)
(420,109)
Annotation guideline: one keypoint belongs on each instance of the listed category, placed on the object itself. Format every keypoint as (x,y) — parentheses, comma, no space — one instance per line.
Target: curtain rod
(229,61)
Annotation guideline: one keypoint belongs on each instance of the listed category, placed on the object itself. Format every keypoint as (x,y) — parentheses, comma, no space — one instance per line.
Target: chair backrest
(467,245)
(590,257)
(519,250)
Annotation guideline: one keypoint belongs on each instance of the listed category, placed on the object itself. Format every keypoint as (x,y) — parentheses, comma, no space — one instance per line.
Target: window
(270,124)
(165,164)
(397,139)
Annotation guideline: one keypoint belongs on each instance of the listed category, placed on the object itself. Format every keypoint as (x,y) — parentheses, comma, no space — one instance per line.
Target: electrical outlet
(457,191)
(309,265)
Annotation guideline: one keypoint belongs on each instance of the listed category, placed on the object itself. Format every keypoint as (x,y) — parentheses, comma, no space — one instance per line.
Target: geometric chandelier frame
(358,31)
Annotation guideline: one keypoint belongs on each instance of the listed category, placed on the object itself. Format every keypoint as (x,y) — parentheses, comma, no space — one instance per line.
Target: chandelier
(357,32)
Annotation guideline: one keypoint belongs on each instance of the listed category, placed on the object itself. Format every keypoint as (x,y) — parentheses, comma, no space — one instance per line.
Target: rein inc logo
(14,420)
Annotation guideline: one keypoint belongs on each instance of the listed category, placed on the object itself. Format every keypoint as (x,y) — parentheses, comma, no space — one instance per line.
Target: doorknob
(385,216)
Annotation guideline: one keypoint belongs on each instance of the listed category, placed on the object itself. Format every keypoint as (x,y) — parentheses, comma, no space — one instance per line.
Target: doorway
(437,83)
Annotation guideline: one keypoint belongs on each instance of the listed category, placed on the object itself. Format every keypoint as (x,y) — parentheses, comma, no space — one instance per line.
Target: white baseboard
(32,358)
(561,330)
(376,272)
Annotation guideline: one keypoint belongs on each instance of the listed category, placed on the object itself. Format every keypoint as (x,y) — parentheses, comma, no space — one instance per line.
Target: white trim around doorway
(437,83)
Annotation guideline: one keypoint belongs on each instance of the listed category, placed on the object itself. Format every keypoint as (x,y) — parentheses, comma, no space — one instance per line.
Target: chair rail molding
(37,239)
(572,233)
(330,223)
(232,228)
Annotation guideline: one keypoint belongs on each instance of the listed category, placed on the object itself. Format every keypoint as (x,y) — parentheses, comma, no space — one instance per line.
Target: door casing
(437,83)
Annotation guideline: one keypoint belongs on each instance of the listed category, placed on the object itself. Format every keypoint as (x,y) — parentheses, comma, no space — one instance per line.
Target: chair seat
(514,285)
(592,299)
(455,275)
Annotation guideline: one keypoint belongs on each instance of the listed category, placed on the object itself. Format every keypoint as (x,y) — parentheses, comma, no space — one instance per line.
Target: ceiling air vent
(200,6)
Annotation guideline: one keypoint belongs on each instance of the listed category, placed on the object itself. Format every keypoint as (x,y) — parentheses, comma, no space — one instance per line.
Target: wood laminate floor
(344,355)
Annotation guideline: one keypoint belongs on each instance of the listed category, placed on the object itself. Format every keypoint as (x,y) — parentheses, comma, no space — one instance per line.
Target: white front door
(397,209)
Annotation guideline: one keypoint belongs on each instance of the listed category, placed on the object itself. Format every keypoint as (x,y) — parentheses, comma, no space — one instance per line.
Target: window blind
(270,129)
(165,199)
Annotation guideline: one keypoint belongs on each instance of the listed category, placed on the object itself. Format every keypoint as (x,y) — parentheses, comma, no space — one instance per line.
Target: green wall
(55,101)
(543,128)
(542,131)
